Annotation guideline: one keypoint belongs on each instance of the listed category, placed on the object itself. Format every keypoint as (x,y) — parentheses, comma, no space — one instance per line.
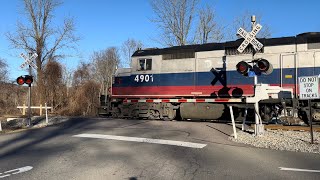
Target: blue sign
(251,73)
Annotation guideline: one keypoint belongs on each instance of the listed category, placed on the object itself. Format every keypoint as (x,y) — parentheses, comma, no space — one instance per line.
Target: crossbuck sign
(250,38)
(29,60)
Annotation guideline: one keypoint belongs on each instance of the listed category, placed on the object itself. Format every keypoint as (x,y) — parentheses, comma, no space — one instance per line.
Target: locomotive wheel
(116,113)
(154,114)
(172,114)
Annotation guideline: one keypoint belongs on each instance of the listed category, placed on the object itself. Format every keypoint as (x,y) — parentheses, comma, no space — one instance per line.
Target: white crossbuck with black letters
(29,60)
(250,38)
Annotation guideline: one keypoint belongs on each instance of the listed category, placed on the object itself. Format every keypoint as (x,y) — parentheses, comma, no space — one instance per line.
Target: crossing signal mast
(255,67)
(28,79)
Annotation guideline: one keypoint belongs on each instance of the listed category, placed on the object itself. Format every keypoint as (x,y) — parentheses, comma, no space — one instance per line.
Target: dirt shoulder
(20,123)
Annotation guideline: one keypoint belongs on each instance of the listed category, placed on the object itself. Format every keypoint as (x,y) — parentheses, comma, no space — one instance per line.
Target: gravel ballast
(299,141)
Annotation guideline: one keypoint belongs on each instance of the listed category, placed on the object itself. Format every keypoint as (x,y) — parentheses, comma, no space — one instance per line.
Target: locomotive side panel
(208,80)
(317,62)
(211,71)
(178,77)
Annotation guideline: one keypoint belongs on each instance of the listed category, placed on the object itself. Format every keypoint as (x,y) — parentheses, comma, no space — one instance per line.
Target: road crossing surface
(101,148)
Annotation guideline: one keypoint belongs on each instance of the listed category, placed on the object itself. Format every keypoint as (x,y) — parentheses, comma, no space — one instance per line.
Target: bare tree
(3,70)
(128,48)
(53,83)
(208,29)
(244,21)
(174,18)
(7,90)
(105,63)
(83,98)
(67,79)
(82,74)
(37,35)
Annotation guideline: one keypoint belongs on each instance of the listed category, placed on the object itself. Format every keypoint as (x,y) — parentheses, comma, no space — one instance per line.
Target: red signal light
(243,68)
(265,66)
(20,80)
(262,65)
(28,79)
(25,80)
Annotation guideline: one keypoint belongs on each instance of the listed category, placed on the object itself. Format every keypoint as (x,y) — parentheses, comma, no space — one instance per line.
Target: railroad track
(315,128)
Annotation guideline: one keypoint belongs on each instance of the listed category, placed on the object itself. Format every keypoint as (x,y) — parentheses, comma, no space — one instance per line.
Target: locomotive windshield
(145,64)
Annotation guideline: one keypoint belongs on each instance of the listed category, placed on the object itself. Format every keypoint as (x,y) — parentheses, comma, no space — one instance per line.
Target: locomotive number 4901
(144,78)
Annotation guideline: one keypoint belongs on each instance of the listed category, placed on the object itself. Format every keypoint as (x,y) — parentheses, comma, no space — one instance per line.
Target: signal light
(243,68)
(20,80)
(28,79)
(264,66)
(25,80)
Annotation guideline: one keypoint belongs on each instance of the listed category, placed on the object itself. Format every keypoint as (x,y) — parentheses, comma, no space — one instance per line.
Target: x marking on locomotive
(219,76)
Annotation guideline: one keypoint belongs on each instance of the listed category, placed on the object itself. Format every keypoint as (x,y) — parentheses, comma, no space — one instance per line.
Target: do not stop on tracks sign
(309,87)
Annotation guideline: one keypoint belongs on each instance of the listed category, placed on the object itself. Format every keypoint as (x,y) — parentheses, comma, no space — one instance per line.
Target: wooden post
(24,109)
(40,109)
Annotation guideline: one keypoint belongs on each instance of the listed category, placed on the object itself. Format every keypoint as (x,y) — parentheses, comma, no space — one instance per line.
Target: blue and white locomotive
(197,81)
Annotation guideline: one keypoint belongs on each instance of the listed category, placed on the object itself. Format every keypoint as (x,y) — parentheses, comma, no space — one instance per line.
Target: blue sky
(105,23)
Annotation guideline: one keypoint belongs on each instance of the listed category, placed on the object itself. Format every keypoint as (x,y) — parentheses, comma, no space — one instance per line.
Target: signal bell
(25,80)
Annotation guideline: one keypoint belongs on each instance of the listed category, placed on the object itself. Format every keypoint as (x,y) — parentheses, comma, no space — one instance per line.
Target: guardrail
(24,107)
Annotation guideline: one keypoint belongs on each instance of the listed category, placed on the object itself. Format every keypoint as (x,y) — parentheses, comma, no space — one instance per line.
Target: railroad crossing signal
(26,79)
(261,66)
(29,60)
(243,68)
(250,38)
(264,66)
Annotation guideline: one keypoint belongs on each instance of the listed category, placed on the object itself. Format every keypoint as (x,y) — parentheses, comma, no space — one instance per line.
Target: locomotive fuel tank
(201,110)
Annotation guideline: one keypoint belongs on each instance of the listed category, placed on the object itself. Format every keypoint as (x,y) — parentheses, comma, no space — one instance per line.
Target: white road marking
(295,169)
(15,171)
(145,140)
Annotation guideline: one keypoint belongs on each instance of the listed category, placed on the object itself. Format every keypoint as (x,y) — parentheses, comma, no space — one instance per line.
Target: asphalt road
(57,152)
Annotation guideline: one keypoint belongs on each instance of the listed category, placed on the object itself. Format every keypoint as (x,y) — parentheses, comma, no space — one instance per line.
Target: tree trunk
(40,83)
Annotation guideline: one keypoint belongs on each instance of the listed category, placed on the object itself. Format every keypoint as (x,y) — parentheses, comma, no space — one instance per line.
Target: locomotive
(200,81)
